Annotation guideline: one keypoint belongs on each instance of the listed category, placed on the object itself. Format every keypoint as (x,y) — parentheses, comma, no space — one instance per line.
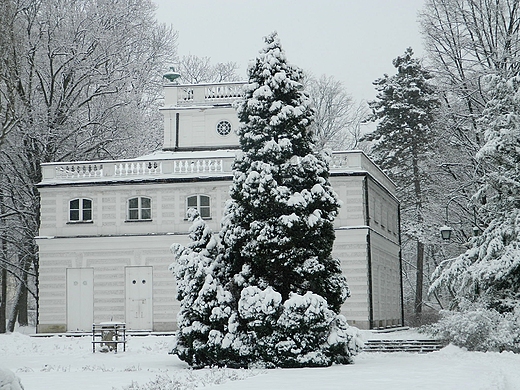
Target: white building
(107,226)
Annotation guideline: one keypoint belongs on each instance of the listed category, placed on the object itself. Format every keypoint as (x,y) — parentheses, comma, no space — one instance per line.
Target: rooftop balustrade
(177,165)
(202,94)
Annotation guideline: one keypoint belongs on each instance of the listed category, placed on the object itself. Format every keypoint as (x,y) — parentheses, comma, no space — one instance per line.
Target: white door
(80,299)
(139,298)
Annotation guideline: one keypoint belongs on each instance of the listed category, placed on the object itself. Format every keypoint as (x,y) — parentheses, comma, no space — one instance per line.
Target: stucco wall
(197,128)
(109,244)
(109,203)
(108,256)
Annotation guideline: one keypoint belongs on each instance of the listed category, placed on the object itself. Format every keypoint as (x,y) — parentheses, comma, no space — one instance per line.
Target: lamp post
(446,230)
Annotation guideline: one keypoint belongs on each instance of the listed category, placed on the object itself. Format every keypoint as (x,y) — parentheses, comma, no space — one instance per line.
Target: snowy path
(61,363)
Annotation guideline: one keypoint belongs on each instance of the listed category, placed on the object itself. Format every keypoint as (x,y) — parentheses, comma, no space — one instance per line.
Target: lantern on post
(445,232)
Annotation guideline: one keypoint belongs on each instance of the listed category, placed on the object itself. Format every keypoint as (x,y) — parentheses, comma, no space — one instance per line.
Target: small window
(223,128)
(80,210)
(139,208)
(200,203)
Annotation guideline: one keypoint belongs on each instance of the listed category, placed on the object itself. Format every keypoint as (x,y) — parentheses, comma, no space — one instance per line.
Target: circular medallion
(223,128)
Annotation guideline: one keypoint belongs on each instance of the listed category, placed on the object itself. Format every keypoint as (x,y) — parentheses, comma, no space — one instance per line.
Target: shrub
(478,329)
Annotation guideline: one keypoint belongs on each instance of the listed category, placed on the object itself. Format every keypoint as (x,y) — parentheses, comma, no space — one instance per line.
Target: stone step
(416,346)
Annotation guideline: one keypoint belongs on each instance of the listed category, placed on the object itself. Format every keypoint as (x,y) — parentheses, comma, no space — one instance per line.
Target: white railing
(223,91)
(198,166)
(341,162)
(206,94)
(88,171)
(138,168)
(79,171)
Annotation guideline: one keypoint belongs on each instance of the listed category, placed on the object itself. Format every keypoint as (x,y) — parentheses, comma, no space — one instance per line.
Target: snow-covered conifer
(405,110)
(205,309)
(489,271)
(280,225)
(278,229)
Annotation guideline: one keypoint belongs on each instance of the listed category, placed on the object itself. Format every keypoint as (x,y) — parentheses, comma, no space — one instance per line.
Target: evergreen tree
(204,303)
(270,292)
(280,222)
(404,110)
(278,230)
(489,271)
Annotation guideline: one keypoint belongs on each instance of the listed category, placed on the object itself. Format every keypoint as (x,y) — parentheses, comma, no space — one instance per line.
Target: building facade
(107,226)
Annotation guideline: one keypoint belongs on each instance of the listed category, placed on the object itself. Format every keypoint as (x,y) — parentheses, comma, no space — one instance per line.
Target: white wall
(197,128)
(108,244)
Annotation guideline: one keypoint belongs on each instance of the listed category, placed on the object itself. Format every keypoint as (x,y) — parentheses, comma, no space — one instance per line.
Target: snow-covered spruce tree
(205,306)
(489,271)
(278,229)
(404,110)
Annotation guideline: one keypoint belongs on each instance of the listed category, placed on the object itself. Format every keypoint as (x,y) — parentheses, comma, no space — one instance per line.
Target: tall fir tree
(276,291)
(279,229)
(488,273)
(404,110)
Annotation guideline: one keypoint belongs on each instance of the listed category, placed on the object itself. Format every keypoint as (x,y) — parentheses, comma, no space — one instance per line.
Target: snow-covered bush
(300,332)
(478,329)
(9,381)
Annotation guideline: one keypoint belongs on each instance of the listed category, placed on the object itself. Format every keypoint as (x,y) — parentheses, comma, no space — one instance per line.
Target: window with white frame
(139,209)
(201,203)
(80,210)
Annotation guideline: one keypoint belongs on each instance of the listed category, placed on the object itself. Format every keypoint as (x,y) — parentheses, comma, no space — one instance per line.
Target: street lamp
(445,232)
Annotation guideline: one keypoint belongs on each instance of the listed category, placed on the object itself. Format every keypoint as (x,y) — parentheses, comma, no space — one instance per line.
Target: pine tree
(405,111)
(489,271)
(278,231)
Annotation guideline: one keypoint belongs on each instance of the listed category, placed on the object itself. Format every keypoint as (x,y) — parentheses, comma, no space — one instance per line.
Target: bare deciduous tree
(338,119)
(194,69)
(79,80)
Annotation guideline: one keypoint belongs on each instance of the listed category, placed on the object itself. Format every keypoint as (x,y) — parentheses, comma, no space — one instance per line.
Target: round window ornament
(223,128)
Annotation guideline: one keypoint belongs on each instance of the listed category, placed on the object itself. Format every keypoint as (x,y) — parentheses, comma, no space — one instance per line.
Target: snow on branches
(489,271)
(269,293)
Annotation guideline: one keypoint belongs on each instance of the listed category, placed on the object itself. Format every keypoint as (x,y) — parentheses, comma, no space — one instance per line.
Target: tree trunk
(3,254)
(23,318)
(420,245)
(419,280)
(3,304)
(14,311)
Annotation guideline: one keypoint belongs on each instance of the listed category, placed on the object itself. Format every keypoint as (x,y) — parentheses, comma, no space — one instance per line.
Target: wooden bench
(110,335)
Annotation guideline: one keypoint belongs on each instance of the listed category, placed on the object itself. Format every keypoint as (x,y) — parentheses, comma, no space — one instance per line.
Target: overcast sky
(352,40)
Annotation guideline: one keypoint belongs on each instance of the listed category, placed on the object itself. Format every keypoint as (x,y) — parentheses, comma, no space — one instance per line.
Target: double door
(138,298)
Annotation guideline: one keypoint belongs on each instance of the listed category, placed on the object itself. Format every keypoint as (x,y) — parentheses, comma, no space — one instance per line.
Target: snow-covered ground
(60,363)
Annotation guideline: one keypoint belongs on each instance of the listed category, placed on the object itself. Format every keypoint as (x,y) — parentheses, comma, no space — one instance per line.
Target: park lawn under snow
(64,363)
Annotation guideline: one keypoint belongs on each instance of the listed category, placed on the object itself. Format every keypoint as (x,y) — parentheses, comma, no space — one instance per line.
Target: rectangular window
(74,210)
(87,210)
(139,208)
(80,210)
(201,203)
(146,208)
(204,208)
